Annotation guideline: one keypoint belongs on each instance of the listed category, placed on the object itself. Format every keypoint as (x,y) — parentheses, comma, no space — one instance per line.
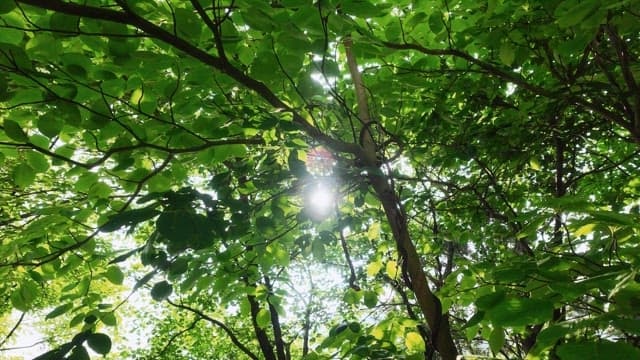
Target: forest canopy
(328,179)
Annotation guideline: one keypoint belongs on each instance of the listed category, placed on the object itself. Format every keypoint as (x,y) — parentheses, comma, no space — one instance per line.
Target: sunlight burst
(320,200)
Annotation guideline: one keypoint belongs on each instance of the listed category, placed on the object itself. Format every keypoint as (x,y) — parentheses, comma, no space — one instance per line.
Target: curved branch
(13,330)
(221,325)
(179,333)
(127,17)
(412,268)
(517,80)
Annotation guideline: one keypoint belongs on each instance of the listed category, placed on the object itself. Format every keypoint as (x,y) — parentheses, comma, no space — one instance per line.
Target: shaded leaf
(519,311)
(161,290)
(129,218)
(99,343)
(59,311)
(23,175)
(597,351)
(14,131)
(496,339)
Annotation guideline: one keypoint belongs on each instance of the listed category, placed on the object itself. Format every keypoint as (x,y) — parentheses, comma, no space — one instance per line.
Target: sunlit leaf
(263,318)
(414,342)
(114,275)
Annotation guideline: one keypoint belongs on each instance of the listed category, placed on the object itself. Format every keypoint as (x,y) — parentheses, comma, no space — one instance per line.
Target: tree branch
(412,265)
(275,324)
(263,338)
(13,330)
(221,325)
(517,80)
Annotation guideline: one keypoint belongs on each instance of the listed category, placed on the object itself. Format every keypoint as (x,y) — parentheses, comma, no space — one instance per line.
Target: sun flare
(320,200)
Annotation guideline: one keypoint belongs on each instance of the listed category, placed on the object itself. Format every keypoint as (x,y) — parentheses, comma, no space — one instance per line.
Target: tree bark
(412,266)
(429,303)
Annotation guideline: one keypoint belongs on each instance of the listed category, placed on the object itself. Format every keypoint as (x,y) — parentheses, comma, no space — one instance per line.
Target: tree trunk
(412,268)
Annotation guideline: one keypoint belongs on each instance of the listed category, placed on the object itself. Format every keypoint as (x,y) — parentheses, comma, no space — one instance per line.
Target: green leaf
(257,19)
(99,343)
(173,224)
(64,23)
(578,13)
(50,125)
(85,181)
(4,88)
(496,339)
(352,296)
(392,269)
(548,337)
(519,311)
(7,6)
(129,218)
(370,298)
(435,22)
(79,353)
(414,342)
(14,131)
(318,249)
(161,291)
(100,190)
(179,266)
(59,311)
(507,54)
(471,332)
(114,275)
(486,302)
(188,24)
(355,327)
(569,203)
(373,268)
(23,297)
(615,218)
(263,318)
(373,233)
(361,8)
(144,280)
(11,36)
(597,351)
(585,230)
(474,320)
(23,175)
(224,152)
(38,162)
(108,318)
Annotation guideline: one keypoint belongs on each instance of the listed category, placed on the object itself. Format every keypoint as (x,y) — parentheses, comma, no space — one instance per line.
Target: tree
(483,157)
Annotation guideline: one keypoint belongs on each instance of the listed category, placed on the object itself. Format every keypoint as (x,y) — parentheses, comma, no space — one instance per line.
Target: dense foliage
(164,163)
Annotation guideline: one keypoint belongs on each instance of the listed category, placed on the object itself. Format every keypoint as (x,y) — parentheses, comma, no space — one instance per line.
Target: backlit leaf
(23,175)
(414,342)
(263,318)
(114,275)
(392,269)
